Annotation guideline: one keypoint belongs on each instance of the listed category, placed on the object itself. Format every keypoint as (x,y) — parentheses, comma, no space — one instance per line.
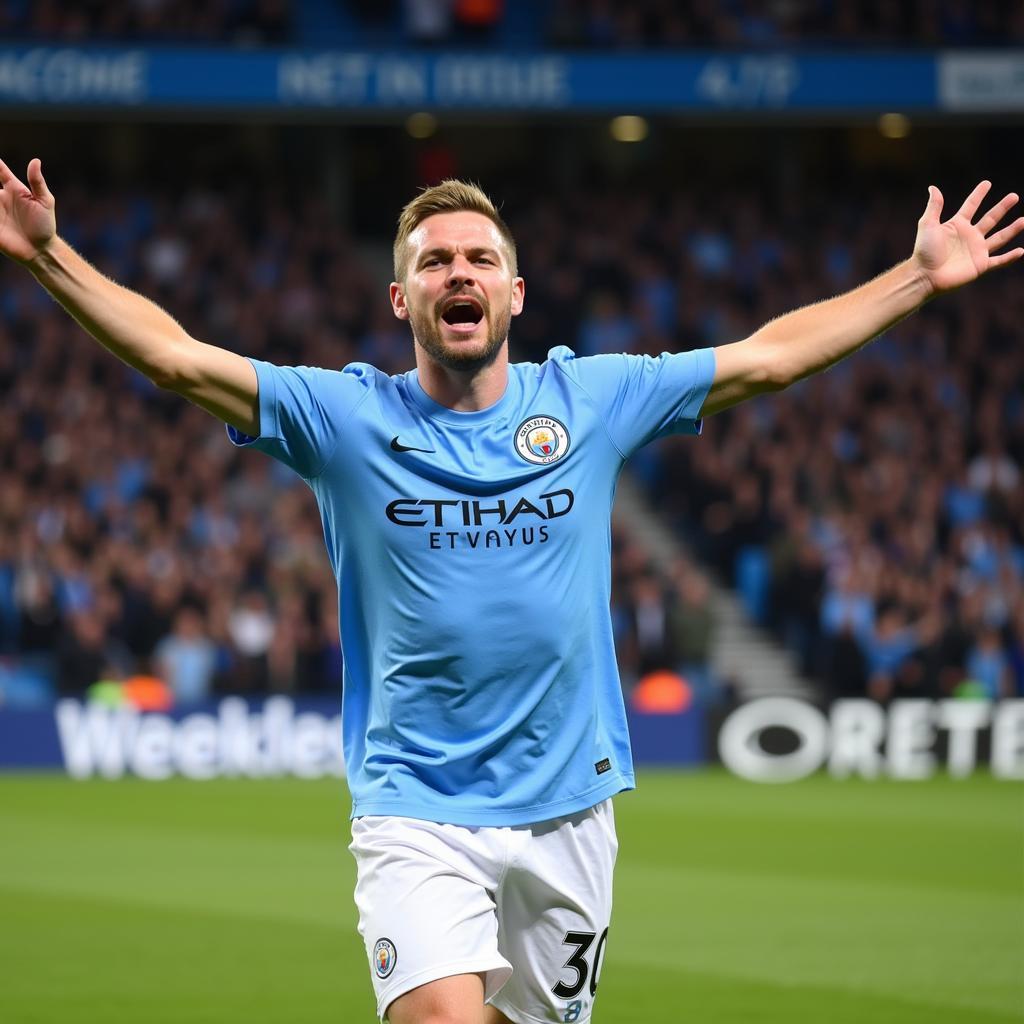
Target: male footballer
(466,508)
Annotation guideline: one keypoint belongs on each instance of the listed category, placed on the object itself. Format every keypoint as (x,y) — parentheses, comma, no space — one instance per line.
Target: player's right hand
(27,221)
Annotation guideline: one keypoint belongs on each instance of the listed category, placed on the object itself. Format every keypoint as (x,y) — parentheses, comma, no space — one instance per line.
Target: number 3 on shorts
(576,962)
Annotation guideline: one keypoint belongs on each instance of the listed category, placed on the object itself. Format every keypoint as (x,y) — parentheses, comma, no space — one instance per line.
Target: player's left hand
(958,251)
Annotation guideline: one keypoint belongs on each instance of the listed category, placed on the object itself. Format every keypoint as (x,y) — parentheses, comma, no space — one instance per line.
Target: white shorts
(528,907)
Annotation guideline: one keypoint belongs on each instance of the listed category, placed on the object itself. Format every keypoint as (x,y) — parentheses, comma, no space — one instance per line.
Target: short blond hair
(451,196)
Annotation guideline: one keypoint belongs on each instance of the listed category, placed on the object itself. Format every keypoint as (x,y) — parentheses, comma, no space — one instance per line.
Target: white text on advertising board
(236,741)
(862,738)
(48,76)
(357,79)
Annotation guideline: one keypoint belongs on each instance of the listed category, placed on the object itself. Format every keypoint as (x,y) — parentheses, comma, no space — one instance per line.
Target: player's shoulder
(363,374)
(349,383)
(354,374)
(579,382)
(562,359)
(583,370)
(371,376)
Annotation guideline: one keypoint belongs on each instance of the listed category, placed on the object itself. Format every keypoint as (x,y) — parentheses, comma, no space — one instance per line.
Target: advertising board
(183,78)
(236,737)
(780,739)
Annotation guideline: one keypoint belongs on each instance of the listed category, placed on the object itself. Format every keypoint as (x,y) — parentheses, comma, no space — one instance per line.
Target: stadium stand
(599,25)
(807,23)
(244,23)
(872,518)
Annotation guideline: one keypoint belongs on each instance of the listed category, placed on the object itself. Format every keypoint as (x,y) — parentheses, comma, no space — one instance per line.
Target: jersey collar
(502,407)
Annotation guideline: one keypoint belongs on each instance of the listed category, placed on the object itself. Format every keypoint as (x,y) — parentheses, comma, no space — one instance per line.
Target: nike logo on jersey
(397,446)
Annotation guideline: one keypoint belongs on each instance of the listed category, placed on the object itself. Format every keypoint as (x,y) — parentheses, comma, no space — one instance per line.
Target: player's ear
(518,295)
(398,306)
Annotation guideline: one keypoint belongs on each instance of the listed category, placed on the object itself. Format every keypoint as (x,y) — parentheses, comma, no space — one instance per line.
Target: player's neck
(464,391)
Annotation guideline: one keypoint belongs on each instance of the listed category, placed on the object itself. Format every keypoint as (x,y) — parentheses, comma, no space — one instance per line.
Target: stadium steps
(743,653)
(754,660)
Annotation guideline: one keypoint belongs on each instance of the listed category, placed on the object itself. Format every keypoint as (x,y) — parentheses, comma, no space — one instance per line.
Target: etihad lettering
(449,540)
(437,513)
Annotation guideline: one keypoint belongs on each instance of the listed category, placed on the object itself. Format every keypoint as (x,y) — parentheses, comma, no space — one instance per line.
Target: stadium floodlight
(628,128)
(894,126)
(421,125)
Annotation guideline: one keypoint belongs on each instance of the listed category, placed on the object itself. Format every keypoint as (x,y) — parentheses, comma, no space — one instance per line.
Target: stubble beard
(427,334)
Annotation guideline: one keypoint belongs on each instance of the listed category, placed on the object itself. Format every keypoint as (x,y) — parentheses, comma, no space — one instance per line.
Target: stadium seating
(876,512)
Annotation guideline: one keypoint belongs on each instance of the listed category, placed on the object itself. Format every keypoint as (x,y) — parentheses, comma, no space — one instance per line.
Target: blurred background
(676,174)
(829,577)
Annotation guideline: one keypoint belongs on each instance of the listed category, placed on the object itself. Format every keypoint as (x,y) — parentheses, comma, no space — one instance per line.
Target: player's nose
(460,273)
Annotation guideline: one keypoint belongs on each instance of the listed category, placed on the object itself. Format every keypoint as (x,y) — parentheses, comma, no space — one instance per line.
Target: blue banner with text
(186,79)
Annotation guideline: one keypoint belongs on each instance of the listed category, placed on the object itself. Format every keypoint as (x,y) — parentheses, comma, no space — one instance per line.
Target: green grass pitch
(230,902)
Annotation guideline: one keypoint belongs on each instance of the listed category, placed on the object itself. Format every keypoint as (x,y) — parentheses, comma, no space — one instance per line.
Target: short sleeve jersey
(472,552)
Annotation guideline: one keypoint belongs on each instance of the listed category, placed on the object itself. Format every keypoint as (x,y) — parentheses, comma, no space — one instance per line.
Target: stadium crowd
(873,517)
(586,24)
(237,22)
(771,23)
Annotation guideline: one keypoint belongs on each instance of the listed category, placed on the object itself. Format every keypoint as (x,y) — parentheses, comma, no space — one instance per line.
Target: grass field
(230,902)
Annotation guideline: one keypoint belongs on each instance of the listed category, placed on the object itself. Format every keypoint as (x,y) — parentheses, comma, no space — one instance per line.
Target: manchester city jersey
(472,552)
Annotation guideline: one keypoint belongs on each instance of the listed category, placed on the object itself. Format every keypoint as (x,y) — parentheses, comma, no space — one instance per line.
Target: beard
(465,357)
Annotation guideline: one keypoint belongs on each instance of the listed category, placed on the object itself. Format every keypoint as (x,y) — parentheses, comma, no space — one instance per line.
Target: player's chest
(417,486)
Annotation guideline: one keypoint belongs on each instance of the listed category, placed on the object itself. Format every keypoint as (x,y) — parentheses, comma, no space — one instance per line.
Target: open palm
(958,251)
(27,220)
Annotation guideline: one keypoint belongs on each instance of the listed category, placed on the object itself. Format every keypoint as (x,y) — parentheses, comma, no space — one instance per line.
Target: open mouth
(462,312)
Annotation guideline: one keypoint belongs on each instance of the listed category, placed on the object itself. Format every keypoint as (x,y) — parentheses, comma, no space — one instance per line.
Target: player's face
(459,293)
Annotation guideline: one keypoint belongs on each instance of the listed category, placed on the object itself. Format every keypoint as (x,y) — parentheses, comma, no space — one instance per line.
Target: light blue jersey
(473,557)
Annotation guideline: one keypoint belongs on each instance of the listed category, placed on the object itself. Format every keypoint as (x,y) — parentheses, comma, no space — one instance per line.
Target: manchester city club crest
(541,440)
(385,956)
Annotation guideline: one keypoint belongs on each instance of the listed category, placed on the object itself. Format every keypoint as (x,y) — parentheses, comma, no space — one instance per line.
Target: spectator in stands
(428,22)
(478,19)
(251,627)
(186,659)
(989,665)
(691,627)
(86,654)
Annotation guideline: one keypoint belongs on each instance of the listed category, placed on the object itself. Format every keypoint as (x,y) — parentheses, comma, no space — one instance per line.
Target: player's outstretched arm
(136,330)
(946,255)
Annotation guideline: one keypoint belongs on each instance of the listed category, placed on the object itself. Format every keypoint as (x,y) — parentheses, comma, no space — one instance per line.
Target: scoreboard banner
(190,79)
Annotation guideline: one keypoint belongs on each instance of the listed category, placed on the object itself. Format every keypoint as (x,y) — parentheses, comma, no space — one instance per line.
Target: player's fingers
(7,177)
(1000,238)
(973,201)
(36,180)
(997,213)
(1007,257)
(934,208)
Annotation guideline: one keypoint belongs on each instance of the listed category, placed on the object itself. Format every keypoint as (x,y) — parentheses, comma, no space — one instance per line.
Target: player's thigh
(455,1000)
(426,913)
(555,913)
(494,1016)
